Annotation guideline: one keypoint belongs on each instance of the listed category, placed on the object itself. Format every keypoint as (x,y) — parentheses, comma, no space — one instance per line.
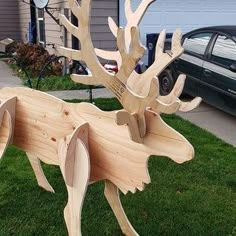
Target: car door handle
(207,72)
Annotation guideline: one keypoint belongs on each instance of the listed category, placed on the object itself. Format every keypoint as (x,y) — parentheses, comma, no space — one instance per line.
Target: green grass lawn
(48,83)
(196,198)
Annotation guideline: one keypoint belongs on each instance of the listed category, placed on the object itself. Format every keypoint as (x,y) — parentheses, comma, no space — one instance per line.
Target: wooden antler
(131,102)
(176,92)
(140,84)
(133,20)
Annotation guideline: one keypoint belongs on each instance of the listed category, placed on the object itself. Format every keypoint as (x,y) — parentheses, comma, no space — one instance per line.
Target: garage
(186,15)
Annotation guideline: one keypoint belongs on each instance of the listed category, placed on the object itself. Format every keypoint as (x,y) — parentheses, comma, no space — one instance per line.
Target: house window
(41,27)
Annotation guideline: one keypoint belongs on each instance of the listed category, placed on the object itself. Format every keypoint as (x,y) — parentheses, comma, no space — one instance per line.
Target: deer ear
(6,132)
(7,123)
(72,147)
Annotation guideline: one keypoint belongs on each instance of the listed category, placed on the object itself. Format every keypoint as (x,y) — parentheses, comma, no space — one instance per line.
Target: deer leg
(112,195)
(38,171)
(75,167)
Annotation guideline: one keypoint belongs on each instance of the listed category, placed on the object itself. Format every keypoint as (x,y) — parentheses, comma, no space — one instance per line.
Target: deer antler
(132,103)
(140,83)
(176,92)
(133,20)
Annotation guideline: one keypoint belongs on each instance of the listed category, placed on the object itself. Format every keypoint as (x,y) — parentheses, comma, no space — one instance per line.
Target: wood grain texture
(39,174)
(76,192)
(173,97)
(42,121)
(7,122)
(116,83)
(5,133)
(67,150)
(112,195)
(91,145)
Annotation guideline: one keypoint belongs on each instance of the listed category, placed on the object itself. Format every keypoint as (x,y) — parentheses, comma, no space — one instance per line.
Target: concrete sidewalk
(7,79)
(81,94)
(213,120)
(205,116)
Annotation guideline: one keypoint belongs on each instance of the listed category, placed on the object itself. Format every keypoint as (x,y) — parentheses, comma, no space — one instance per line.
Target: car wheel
(166,82)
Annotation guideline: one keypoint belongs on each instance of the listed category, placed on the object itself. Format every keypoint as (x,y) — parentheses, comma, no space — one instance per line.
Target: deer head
(136,93)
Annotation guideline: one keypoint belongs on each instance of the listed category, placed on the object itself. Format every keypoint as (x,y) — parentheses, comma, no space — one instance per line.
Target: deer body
(42,121)
(88,146)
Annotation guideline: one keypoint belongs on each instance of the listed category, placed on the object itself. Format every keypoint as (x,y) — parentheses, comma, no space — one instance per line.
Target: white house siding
(183,14)
(54,33)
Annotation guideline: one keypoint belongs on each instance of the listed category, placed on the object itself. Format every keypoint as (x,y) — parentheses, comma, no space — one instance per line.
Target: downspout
(118,12)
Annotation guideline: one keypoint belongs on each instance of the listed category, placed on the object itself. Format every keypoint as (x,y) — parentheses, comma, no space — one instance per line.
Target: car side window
(224,51)
(197,43)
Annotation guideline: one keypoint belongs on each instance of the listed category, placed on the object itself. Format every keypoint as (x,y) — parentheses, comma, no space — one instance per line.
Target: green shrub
(33,57)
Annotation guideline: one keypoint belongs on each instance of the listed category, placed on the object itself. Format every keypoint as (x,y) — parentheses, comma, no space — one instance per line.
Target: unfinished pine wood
(39,174)
(131,102)
(91,145)
(77,189)
(168,108)
(8,105)
(112,195)
(42,121)
(124,118)
(174,96)
(140,84)
(5,133)
(7,121)
(67,149)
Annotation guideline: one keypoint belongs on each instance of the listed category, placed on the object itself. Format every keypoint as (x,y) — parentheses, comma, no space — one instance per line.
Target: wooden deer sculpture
(91,145)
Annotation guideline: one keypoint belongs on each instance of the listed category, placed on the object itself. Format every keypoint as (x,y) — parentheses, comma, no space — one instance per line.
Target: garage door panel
(184,14)
(187,14)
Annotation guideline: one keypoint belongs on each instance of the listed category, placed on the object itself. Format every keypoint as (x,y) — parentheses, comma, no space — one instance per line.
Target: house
(22,21)
(184,14)
(9,20)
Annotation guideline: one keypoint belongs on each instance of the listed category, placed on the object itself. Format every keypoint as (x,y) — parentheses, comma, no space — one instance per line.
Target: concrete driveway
(213,120)
(7,79)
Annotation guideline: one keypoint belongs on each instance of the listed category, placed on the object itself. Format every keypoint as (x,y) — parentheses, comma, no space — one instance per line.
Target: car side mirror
(233,67)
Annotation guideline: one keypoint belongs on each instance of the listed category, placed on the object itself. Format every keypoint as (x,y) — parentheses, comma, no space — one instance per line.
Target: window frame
(212,47)
(41,19)
(204,56)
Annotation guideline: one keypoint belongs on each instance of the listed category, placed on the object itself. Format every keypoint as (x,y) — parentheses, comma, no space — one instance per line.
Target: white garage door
(183,14)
